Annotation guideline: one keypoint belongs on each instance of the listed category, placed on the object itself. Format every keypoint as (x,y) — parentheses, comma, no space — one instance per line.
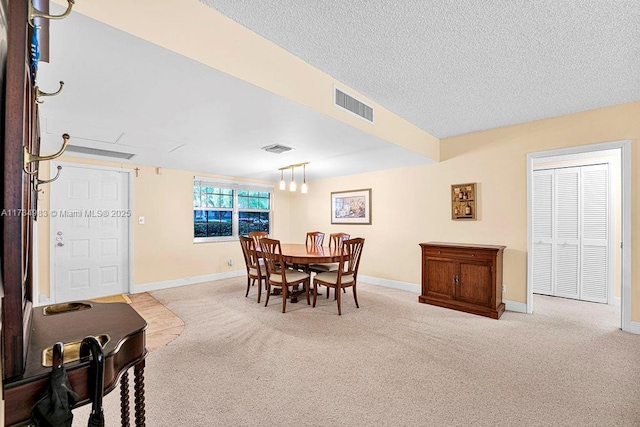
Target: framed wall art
(351,207)
(463,201)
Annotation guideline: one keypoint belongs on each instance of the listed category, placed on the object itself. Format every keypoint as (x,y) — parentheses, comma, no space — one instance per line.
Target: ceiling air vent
(352,105)
(277,149)
(98,152)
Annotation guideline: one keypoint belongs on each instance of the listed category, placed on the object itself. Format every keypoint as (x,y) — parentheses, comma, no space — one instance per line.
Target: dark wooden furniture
(255,271)
(304,255)
(258,234)
(309,254)
(463,277)
(124,348)
(346,275)
(314,238)
(335,241)
(278,275)
(27,331)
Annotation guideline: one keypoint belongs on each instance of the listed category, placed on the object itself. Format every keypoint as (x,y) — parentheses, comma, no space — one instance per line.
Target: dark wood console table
(124,332)
(465,277)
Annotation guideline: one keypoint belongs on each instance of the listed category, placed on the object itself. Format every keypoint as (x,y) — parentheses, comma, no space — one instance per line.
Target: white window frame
(235,211)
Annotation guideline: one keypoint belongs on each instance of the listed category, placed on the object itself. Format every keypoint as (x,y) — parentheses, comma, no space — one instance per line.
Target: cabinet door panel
(440,275)
(475,283)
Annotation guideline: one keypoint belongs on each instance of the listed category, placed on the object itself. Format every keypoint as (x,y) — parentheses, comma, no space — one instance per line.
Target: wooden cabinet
(463,277)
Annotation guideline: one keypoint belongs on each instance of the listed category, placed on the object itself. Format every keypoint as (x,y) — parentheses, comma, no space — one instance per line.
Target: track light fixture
(292,184)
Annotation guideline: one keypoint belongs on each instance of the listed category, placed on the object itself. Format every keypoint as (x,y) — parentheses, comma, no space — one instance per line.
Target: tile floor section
(163,326)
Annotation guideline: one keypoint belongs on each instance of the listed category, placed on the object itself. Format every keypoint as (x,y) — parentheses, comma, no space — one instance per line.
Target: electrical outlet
(230,262)
(504,288)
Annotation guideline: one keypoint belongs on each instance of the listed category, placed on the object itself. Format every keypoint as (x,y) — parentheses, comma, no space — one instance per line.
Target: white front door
(89,233)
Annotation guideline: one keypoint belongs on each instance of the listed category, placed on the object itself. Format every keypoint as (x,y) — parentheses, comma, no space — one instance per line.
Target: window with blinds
(222,211)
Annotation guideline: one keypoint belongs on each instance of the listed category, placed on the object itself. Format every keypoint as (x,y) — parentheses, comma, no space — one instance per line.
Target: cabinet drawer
(457,254)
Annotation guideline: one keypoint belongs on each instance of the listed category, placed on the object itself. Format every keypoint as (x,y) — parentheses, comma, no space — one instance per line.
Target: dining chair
(346,275)
(255,270)
(279,276)
(335,241)
(314,238)
(258,234)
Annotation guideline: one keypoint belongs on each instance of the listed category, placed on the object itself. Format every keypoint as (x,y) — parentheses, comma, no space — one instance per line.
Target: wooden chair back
(336,239)
(250,253)
(350,258)
(272,256)
(314,238)
(258,234)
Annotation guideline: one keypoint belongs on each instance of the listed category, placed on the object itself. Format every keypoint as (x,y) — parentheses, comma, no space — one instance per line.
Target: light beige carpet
(392,362)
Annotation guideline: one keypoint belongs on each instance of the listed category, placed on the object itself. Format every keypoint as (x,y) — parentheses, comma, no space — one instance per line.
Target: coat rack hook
(35,13)
(40,93)
(28,157)
(47,181)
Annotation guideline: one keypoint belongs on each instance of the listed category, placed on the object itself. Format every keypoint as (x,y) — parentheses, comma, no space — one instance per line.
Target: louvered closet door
(567,232)
(595,233)
(543,232)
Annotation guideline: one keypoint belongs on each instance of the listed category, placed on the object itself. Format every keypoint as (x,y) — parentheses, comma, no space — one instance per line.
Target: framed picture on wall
(463,201)
(351,207)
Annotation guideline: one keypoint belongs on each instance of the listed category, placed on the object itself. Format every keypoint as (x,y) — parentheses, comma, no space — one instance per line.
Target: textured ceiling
(453,67)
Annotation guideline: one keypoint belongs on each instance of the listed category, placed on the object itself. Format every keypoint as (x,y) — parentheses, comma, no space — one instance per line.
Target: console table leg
(124,399)
(139,394)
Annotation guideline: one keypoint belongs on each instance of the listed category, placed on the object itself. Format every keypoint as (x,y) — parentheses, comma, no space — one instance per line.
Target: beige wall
(163,247)
(411,205)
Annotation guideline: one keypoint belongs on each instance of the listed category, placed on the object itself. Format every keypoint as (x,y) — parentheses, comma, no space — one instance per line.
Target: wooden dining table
(305,255)
(299,253)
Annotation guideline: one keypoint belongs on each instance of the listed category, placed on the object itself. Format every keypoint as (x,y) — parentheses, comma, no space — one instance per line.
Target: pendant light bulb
(303,188)
(292,185)
(282,183)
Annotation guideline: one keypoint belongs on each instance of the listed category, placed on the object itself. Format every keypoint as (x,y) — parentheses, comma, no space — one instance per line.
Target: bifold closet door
(542,220)
(595,271)
(567,232)
(571,232)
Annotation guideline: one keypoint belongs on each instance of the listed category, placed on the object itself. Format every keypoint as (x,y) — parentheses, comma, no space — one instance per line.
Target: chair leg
(328,292)
(259,289)
(355,297)
(338,298)
(246,294)
(308,285)
(284,297)
(315,293)
(268,293)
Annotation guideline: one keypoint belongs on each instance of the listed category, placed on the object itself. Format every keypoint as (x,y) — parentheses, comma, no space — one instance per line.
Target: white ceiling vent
(349,103)
(98,152)
(277,149)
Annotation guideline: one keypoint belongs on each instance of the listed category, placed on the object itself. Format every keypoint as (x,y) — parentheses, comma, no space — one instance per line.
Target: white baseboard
(517,306)
(634,328)
(147,287)
(405,286)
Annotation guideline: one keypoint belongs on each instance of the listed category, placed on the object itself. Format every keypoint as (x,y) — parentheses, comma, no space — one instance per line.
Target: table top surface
(307,254)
